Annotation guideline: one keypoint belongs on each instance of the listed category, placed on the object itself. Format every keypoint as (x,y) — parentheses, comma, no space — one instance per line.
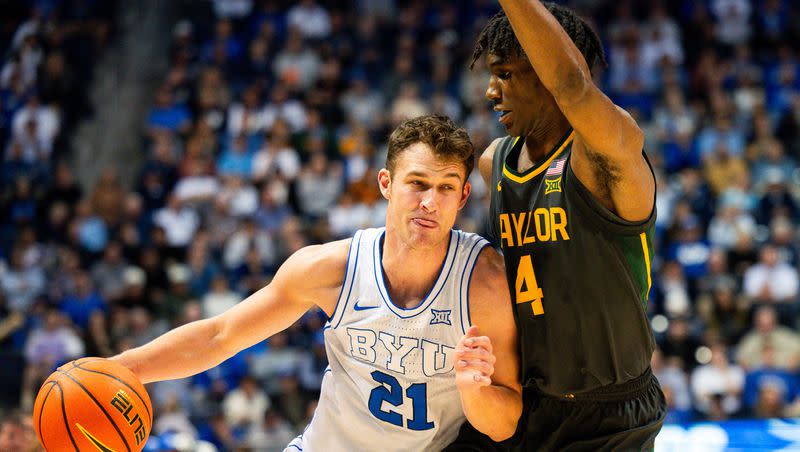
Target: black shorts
(623,417)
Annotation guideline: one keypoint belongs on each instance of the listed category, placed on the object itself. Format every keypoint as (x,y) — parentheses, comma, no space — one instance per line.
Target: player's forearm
(179,353)
(555,58)
(492,410)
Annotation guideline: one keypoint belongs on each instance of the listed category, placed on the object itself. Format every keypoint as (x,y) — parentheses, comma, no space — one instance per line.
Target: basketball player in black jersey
(572,208)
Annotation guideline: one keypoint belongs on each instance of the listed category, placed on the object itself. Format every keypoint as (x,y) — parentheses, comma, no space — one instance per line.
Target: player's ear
(465,195)
(385,182)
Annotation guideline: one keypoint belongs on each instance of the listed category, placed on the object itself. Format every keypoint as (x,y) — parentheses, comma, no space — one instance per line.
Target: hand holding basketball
(92,404)
(474,361)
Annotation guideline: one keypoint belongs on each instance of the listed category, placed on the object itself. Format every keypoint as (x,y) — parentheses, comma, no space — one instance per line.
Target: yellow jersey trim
(646,251)
(542,166)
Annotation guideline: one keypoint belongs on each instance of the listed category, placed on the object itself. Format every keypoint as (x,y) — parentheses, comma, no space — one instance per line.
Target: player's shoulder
(488,285)
(490,267)
(488,153)
(490,299)
(325,262)
(487,157)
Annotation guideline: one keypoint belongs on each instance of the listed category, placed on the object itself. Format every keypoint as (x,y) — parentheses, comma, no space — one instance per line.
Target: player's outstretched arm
(607,152)
(310,276)
(487,364)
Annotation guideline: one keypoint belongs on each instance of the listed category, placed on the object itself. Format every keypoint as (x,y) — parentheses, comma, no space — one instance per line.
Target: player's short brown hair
(447,140)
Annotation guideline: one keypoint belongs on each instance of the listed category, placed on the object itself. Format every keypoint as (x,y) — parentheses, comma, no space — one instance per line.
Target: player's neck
(410,273)
(543,139)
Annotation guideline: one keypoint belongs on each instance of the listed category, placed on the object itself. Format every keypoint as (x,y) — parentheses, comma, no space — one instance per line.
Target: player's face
(516,92)
(425,194)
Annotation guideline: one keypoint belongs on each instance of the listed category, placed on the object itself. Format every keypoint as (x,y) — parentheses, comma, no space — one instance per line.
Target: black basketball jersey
(579,275)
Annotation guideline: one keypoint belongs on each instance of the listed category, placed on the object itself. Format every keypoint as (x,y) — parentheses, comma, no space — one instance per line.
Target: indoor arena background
(161,158)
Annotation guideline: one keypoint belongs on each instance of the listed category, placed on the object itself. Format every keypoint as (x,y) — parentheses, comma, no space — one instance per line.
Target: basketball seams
(77,363)
(108,416)
(41,410)
(64,412)
(123,382)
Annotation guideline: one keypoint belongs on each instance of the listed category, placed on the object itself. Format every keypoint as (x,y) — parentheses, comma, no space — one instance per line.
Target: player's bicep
(604,127)
(503,332)
(284,300)
(491,311)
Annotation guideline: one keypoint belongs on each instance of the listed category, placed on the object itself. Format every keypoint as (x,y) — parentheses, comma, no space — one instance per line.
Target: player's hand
(474,361)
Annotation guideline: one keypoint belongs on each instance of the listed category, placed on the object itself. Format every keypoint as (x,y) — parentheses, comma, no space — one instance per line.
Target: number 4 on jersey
(527,289)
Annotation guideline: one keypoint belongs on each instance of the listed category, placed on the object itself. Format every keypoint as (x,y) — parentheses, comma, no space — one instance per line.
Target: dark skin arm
(607,149)
(485,162)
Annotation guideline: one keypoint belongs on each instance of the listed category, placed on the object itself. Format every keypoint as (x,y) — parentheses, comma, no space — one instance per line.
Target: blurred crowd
(266,133)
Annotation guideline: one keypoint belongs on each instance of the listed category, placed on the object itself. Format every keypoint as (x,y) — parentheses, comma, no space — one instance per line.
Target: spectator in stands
(81,304)
(768,377)
(717,386)
(310,18)
(17,433)
(108,274)
(179,221)
(319,186)
(236,160)
(776,200)
(248,236)
(308,92)
(675,384)
(21,284)
(770,280)
(784,342)
(167,115)
(725,313)
(680,343)
(219,298)
(296,65)
(276,156)
(246,405)
(272,434)
(48,346)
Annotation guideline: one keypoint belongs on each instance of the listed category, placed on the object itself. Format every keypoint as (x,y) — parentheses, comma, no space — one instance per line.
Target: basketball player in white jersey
(421,333)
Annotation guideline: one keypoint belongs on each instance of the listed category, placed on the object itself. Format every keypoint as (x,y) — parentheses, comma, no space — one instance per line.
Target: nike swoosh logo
(102,447)
(362,308)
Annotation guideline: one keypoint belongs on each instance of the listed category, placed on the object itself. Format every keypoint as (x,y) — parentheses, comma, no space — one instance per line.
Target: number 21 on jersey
(526,288)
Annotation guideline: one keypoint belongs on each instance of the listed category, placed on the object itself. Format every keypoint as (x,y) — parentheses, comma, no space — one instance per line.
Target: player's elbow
(507,425)
(572,86)
(503,432)
(222,336)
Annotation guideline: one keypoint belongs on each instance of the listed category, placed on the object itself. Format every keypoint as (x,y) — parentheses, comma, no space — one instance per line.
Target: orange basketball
(92,404)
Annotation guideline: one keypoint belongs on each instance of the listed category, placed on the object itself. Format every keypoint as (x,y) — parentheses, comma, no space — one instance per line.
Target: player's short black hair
(498,38)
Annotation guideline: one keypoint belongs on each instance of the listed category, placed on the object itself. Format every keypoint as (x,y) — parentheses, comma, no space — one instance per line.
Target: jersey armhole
(348,281)
(466,279)
(606,220)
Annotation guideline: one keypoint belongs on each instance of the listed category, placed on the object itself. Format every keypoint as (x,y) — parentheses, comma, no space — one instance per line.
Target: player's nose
(429,202)
(492,91)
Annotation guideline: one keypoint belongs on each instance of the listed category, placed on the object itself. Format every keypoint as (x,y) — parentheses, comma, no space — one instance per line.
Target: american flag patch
(556,168)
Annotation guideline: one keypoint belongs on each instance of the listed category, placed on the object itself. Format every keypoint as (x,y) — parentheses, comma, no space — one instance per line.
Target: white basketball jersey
(391,383)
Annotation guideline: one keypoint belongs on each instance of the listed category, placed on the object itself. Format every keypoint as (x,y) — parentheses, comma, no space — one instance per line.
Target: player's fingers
(482,380)
(478,365)
(475,353)
(473,331)
(479,341)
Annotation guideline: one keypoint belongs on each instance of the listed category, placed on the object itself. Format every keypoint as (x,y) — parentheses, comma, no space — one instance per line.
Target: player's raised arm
(607,155)
(203,344)
(487,365)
